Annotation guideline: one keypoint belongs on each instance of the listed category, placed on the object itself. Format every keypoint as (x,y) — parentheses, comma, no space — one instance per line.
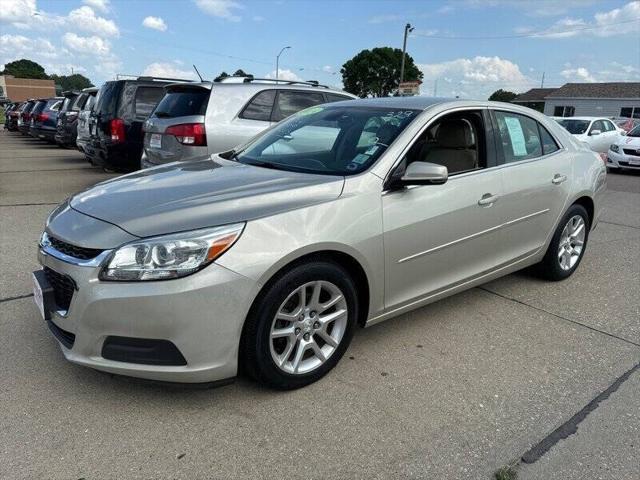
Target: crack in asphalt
(619,224)
(19,297)
(571,426)
(558,316)
(27,204)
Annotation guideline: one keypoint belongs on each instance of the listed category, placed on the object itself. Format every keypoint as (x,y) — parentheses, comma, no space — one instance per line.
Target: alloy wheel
(308,327)
(571,242)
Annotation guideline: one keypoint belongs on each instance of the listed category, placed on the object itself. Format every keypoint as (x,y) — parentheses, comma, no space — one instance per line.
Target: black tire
(255,355)
(549,268)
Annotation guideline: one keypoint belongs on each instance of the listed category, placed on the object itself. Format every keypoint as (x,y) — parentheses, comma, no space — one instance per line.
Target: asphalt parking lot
(517,368)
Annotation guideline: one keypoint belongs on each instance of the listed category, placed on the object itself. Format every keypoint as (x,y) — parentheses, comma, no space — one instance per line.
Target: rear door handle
(558,179)
(488,199)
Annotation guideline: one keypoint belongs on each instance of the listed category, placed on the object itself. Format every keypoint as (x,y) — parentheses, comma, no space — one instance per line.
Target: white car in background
(599,133)
(625,153)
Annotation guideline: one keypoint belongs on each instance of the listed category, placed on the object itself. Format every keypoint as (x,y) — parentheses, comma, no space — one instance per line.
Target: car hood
(202,193)
(633,142)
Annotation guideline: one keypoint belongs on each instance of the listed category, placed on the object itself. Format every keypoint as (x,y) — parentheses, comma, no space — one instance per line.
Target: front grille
(631,151)
(63,288)
(72,250)
(65,338)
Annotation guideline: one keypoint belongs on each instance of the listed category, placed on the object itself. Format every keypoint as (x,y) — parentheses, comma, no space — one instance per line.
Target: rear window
(79,102)
(54,104)
(39,106)
(182,103)
(146,100)
(108,98)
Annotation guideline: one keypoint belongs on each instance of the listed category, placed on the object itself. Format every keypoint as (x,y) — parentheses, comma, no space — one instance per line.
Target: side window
(518,136)
(290,102)
(549,145)
(597,125)
(610,127)
(333,97)
(558,112)
(260,107)
(146,100)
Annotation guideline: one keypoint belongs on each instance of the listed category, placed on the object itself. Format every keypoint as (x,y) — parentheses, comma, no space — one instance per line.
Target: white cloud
(100,5)
(17,11)
(534,8)
(258,18)
(476,77)
(327,69)
(168,70)
(92,45)
(220,8)
(579,74)
(155,23)
(12,47)
(284,74)
(84,18)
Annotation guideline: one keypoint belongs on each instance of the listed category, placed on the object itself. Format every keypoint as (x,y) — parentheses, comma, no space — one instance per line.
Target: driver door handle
(558,179)
(488,199)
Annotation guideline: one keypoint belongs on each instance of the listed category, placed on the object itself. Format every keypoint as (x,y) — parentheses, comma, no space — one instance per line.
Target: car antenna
(196,69)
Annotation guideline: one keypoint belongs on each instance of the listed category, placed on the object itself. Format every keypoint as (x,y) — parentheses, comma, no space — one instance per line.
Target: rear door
(105,110)
(536,174)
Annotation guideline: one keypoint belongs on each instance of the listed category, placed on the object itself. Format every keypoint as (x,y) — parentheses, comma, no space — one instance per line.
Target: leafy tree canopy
(502,96)
(72,82)
(24,68)
(376,72)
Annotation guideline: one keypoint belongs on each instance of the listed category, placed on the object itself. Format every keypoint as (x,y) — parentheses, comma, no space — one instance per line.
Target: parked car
(83,118)
(625,153)
(195,119)
(66,127)
(115,122)
(271,260)
(626,124)
(24,118)
(44,117)
(11,117)
(596,132)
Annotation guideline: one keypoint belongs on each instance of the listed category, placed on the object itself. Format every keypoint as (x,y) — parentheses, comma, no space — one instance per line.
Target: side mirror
(424,173)
(593,133)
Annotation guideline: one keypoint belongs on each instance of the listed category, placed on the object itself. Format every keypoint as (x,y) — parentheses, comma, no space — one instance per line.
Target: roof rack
(251,78)
(121,76)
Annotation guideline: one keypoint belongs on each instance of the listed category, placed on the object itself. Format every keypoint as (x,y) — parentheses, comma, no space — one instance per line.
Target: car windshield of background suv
(328,140)
(635,132)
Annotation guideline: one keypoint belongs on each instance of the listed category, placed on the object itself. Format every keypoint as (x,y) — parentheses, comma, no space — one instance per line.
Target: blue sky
(467,47)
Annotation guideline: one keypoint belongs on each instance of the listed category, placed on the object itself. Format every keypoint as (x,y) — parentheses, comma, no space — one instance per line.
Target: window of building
(564,111)
(630,112)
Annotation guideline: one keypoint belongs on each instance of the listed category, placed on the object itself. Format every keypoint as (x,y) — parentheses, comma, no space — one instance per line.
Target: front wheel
(300,326)
(567,246)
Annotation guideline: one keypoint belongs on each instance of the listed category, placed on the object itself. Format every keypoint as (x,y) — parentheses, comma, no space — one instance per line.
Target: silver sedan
(269,256)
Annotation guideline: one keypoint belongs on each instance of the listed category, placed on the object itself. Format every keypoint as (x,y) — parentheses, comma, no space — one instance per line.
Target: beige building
(19,89)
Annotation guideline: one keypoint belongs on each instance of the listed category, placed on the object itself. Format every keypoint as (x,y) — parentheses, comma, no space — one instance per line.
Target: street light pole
(278,61)
(407,29)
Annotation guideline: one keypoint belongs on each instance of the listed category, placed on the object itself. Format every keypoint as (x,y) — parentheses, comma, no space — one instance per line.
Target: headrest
(386,133)
(454,133)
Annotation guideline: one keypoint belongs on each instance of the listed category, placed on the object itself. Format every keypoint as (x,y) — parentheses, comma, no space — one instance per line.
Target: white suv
(196,119)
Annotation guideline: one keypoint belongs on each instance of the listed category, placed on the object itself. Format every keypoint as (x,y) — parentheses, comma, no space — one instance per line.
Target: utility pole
(407,29)
(278,61)
(542,82)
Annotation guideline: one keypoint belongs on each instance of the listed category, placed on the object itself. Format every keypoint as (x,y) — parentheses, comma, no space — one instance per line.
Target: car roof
(413,103)
(256,86)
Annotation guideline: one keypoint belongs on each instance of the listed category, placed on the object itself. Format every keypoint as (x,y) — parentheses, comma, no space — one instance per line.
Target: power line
(542,33)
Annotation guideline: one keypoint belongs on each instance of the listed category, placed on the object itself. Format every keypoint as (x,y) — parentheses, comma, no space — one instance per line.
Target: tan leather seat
(454,147)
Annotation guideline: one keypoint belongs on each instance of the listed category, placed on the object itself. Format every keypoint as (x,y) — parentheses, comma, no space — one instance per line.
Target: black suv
(115,122)
(67,126)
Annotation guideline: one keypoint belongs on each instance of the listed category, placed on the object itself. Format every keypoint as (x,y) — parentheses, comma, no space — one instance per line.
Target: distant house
(615,99)
(19,89)
(534,98)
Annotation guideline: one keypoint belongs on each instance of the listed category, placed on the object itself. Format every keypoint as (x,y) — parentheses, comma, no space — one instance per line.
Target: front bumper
(622,160)
(202,315)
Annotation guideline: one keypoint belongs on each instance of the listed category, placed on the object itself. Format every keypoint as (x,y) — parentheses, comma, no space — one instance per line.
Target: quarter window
(519,137)
(260,107)
(290,102)
(549,145)
(332,97)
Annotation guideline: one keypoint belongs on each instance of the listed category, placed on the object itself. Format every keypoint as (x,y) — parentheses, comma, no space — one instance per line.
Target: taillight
(43,117)
(117,130)
(189,133)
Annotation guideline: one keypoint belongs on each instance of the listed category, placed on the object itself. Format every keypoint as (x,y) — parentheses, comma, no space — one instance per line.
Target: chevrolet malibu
(268,257)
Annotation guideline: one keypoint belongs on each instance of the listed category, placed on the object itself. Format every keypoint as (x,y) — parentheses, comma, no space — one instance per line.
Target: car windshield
(635,132)
(340,140)
(575,127)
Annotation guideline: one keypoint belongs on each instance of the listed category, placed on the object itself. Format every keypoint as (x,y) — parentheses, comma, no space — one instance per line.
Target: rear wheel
(567,246)
(300,326)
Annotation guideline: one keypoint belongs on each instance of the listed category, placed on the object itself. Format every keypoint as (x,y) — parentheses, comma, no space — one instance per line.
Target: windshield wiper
(273,166)
(162,115)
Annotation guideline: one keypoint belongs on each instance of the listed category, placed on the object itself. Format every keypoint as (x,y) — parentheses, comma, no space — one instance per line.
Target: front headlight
(614,148)
(169,256)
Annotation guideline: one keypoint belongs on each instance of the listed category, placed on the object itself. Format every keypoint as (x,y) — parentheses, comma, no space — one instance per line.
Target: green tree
(502,96)
(24,68)
(376,72)
(72,82)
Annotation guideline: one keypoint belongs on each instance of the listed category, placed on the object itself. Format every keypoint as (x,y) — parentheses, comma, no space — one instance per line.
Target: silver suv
(196,119)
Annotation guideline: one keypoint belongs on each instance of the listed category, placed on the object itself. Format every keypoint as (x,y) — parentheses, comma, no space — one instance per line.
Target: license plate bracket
(155,141)
(43,295)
